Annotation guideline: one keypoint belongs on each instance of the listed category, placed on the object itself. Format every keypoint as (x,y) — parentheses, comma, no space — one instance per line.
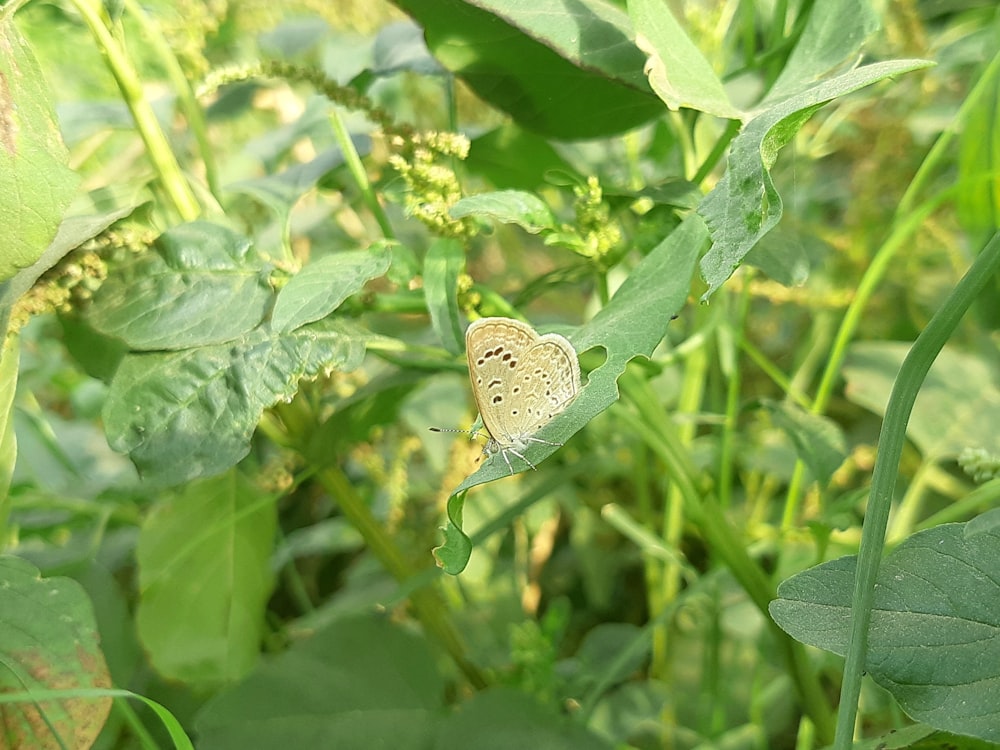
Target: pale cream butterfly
(520,381)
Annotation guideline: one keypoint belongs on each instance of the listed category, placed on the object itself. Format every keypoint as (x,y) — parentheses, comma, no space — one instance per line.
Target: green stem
(729,362)
(940,150)
(849,325)
(706,514)
(427,601)
(357,170)
(185,94)
(890,447)
(873,276)
(171,177)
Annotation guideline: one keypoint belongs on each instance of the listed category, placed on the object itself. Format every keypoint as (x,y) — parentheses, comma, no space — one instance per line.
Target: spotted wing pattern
(520,380)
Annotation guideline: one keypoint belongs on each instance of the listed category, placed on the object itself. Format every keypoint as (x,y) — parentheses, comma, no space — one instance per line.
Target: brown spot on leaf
(8,123)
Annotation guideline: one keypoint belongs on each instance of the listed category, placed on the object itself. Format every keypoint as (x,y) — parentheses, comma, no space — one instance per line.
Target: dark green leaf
(933,639)
(958,406)
(745,205)
(566,71)
(501,719)
(359,683)
(201,284)
(818,441)
(510,157)
(182,415)
(322,285)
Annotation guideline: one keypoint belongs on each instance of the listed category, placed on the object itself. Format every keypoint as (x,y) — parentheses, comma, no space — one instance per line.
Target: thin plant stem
(185,94)
(427,601)
(853,316)
(728,351)
(706,514)
(357,170)
(890,448)
(171,178)
(939,151)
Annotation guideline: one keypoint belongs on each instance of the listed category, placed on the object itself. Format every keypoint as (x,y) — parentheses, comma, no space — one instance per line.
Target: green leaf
(819,442)
(321,286)
(48,640)
(834,33)
(444,261)
(510,207)
(502,718)
(454,553)
(36,186)
(72,232)
(201,284)
(206,553)
(678,72)
(181,415)
(745,205)
(362,682)
(564,71)
(510,157)
(934,640)
(959,402)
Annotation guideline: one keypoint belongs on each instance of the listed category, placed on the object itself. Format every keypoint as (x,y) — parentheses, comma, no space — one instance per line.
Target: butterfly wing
(494,347)
(546,379)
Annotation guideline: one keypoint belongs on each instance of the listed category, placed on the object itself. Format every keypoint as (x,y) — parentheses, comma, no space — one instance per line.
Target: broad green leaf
(362,682)
(48,641)
(206,553)
(631,325)
(72,232)
(819,442)
(511,157)
(834,33)
(745,205)
(565,71)
(503,718)
(509,207)
(958,405)
(322,285)
(182,415)
(444,261)
(934,640)
(678,72)
(36,186)
(200,284)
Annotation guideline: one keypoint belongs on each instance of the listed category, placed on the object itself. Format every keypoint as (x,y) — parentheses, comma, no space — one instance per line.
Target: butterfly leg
(511,450)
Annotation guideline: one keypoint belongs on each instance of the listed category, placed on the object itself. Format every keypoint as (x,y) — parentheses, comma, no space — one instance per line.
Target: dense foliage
(242,245)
